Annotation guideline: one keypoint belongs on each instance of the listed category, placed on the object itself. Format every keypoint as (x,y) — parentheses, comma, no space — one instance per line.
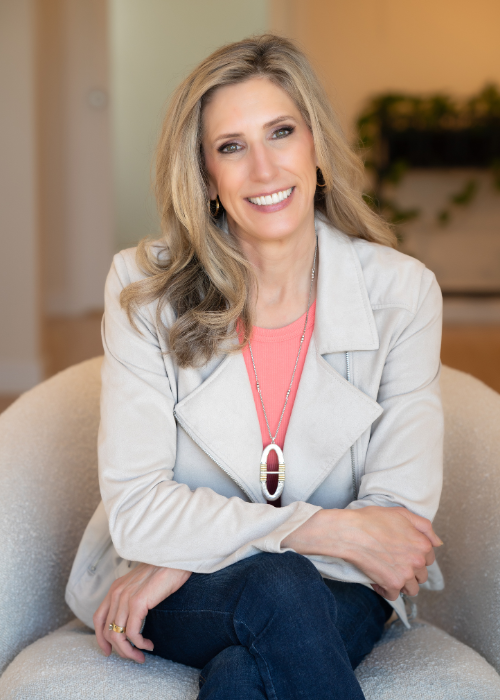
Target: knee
(284,595)
(235,670)
(287,579)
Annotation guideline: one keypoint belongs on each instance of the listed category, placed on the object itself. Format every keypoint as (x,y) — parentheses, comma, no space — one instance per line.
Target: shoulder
(392,278)
(126,268)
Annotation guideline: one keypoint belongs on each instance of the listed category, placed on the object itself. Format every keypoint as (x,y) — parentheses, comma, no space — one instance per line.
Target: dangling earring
(318,172)
(214,214)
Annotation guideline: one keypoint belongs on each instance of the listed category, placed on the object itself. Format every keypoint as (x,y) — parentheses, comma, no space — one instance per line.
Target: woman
(274,286)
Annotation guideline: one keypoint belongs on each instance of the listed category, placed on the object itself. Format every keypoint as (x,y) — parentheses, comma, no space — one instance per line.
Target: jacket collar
(329,413)
(344,318)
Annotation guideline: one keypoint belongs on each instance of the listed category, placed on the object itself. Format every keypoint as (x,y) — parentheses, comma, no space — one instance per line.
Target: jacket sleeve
(404,461)
(152,518)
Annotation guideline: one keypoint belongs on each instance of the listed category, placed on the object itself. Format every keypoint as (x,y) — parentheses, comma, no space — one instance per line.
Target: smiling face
(260,158)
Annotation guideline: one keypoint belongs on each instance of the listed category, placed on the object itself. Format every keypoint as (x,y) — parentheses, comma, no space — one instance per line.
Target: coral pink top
(275,351)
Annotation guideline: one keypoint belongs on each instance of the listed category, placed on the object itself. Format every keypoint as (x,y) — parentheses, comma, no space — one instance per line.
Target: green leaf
(443,217)
(466,194)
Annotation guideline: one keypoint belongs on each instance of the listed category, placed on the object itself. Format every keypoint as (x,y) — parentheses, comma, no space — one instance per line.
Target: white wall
(464,254)
(154,44)
(20,366)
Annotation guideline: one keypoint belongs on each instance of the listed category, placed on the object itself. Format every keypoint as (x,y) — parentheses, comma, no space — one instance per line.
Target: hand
(395,549)
(128,602)
(392,546)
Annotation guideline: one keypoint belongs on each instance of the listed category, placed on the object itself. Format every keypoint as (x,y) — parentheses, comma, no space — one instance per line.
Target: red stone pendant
(280,472)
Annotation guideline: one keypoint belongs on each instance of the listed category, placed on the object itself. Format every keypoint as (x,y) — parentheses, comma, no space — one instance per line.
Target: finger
(113,608)
(120,642)
(124,648)
(138,609)
(421,575)
(430,558)
(436,541)
(99,619)
(387,593)
(134,624)
(425,527)
(411,587)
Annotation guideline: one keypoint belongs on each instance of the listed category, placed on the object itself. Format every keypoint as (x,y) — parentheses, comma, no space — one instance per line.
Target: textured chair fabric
(69,664)
(423,663)
(468,519)
(48,492)
(49,489)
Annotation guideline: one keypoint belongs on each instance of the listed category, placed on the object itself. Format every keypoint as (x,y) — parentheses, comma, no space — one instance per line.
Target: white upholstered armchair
(49,490)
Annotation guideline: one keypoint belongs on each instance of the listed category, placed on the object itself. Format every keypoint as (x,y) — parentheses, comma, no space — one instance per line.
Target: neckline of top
(288,332)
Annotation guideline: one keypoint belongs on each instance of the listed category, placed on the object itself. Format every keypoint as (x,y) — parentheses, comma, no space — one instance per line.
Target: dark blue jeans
(270,627)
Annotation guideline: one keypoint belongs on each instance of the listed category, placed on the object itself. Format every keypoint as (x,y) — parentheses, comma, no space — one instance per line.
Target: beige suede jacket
(179,449)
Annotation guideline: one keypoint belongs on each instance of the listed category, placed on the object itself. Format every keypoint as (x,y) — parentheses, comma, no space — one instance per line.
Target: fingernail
(440,542)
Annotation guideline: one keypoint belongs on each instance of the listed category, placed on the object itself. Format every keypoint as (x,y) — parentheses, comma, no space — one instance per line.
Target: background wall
(84,85)
(75,178)
(369,46)
(61,218)
(154,44)
(20,363)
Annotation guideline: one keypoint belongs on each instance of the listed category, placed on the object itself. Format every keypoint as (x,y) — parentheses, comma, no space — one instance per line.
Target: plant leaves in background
(398,131)
(466,195)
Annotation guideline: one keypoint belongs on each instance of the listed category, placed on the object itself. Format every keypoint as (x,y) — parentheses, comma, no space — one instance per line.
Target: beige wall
(56,176)
(75,153)
(368,46)
(56,223)
(154,44)
(20,366)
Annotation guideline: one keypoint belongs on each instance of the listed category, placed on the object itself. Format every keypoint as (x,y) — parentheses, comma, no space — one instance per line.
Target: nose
(263,166)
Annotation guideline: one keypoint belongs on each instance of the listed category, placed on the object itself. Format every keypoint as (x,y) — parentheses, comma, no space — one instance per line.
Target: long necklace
(273,446)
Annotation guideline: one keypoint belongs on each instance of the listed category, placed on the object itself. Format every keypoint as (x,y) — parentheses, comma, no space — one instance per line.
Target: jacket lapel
(344,317)
(221,418)
(329,413)
(328,416)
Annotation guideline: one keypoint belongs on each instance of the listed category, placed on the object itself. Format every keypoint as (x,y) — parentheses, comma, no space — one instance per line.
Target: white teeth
(271,198)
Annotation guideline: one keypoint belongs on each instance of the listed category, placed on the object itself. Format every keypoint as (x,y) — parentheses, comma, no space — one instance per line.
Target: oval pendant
(280,472)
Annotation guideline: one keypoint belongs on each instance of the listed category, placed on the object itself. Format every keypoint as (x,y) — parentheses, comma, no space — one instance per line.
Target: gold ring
(115,628)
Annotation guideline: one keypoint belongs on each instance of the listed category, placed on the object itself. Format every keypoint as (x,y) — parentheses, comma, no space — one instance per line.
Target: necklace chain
(273,439)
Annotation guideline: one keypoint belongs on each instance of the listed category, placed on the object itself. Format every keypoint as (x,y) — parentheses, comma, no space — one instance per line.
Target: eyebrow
(267,125)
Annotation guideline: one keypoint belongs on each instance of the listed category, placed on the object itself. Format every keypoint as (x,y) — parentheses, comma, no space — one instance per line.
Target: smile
(273,198)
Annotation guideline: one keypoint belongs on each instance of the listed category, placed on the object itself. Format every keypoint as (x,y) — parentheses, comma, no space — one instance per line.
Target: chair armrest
(468,519)
(48,492)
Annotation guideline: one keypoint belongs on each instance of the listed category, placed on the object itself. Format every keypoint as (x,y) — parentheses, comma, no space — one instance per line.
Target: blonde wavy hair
(200,270)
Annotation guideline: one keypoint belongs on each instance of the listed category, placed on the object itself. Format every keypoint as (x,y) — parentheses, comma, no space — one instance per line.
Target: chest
(219,437)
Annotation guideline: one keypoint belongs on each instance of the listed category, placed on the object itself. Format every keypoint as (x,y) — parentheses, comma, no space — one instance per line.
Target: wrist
(320,534)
